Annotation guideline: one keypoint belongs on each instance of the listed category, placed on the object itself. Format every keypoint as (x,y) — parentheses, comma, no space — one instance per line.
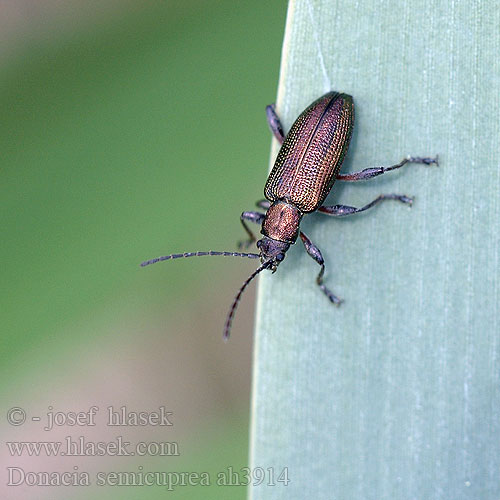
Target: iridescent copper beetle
(307,166)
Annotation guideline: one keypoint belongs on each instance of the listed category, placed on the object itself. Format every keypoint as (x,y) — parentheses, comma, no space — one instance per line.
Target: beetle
(305,170)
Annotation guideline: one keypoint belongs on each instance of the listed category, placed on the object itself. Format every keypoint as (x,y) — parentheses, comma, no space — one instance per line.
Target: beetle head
(272,250)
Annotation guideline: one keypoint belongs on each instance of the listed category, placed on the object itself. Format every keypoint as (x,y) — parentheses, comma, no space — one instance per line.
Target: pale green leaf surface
(396,394)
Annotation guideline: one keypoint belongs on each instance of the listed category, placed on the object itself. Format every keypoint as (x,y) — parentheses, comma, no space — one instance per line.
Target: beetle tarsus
(331,297)
(424,160)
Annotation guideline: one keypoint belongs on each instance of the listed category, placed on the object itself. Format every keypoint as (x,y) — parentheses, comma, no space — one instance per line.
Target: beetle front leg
(256,217)
(343,210)
(368,173)
(275,123)
(315,253)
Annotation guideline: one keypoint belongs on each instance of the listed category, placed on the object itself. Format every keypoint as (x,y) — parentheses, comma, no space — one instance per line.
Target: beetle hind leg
(315,253)
(370,172)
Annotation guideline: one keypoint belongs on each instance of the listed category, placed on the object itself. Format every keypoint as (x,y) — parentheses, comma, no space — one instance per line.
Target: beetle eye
(280,257)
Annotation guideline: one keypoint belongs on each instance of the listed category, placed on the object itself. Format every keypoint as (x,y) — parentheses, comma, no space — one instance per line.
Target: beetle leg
(368,173)
(264,204)
(275,123)
(342,210)
(256,217)
(315,253)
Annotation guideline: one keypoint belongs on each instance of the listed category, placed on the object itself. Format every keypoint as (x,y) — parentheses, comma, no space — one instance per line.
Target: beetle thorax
(282,222)
(280,229)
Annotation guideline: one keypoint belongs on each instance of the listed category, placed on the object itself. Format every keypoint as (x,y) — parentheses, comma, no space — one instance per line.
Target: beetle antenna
(234,305)
(199,254)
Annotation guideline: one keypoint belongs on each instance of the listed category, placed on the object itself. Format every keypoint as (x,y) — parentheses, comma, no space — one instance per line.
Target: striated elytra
(306,168)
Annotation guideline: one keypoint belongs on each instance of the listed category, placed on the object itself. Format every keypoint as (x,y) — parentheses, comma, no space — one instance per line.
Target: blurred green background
(131,130)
